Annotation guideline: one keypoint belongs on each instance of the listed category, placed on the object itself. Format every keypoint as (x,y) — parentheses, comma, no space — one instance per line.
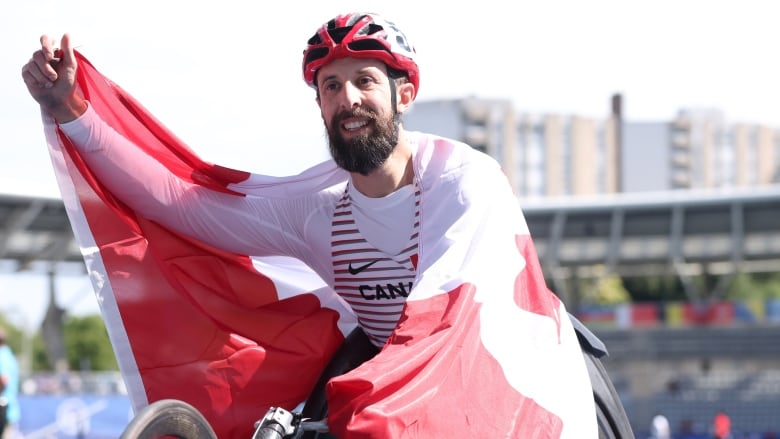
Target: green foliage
(606,290)
(40,360)
(19,343)
(755,286)
(87,344)
(655,288)
(86,341)
(14,335)
(611,291)
(743,286)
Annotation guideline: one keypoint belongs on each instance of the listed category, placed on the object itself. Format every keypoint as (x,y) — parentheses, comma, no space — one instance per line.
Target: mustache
(356,112)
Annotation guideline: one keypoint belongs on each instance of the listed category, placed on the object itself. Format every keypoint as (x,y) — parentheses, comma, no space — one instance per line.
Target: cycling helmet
(360,35)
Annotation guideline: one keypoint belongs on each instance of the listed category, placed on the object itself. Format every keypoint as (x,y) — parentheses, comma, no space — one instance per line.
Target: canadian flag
(483,348)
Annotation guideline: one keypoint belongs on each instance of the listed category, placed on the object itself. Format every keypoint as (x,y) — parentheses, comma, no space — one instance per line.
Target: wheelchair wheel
(169,418)
(612,419)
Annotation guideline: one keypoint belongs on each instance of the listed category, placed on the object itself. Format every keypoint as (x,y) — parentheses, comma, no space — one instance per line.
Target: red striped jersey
(373,282)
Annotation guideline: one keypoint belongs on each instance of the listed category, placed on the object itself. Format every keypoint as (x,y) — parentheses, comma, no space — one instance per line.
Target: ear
(406,95)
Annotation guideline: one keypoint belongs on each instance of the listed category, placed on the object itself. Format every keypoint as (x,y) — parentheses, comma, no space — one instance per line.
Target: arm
(247,225)
(257,226)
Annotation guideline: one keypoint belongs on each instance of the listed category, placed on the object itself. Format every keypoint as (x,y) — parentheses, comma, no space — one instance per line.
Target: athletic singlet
(374,283)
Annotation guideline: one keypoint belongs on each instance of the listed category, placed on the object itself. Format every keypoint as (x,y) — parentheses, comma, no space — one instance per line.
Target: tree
(28,347)
(667,288)
(40,359)
(605,290)
(14,335)
(755,286)
(610,291)
(87,345)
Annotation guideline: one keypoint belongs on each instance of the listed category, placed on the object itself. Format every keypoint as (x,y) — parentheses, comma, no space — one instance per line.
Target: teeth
(355,125)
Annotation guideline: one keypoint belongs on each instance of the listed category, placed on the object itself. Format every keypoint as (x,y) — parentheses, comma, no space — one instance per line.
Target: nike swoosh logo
(355,270)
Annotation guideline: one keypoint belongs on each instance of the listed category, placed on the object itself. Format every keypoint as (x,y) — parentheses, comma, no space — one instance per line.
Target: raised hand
(50,77)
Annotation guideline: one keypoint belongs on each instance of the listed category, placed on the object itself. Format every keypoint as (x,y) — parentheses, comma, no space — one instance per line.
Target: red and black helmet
(360,35)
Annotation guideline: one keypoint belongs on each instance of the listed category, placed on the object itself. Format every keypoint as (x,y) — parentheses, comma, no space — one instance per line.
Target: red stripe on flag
(128,117)
(531,292)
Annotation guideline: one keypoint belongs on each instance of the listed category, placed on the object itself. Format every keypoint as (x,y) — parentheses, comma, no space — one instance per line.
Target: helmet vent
(315,40)
(361,45)
(372,29)
(339,33)
(316,54)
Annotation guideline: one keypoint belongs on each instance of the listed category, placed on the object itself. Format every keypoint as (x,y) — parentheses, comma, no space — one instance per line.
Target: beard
(365,152)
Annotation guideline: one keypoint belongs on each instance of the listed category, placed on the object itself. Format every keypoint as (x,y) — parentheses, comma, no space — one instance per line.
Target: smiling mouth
(355,125)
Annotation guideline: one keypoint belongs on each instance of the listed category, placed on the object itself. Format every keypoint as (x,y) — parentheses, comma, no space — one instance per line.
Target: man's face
(355,102)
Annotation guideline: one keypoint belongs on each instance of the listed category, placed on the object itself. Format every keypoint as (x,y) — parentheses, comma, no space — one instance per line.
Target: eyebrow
(361,71)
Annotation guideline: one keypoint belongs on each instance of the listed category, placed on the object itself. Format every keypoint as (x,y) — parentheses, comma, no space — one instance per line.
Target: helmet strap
(394,96)
(394,75)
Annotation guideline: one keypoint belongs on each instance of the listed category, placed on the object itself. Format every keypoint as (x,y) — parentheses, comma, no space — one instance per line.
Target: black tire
(169,418)
(612,419)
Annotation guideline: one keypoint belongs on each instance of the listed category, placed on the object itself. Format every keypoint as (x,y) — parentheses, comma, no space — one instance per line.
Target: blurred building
(556,155)
(698,150)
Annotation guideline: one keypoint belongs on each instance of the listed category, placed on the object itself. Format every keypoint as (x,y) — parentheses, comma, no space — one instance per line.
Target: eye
(330,86)
(366,81)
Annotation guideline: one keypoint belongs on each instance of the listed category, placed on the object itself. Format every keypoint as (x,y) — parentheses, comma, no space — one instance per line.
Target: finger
(47,51)
(29,79)
(68,56)
(33,77)
(47,47)
(40,67)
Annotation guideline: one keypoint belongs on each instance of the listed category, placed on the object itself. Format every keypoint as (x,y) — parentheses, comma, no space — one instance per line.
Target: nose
(351,96)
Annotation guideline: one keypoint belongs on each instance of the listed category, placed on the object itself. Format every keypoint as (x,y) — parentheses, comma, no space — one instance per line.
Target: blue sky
(225,76)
